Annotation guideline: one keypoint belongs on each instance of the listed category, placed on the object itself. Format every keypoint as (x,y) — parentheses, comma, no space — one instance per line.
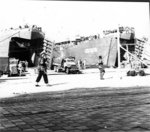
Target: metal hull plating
(89,51)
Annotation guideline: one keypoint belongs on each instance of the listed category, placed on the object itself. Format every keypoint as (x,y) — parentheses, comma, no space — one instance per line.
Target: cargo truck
(67,65)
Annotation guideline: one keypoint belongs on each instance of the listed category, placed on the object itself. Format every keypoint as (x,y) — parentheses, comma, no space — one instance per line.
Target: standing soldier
(101,67)
(84,64)
(79,64)
(42,69)
(20,68)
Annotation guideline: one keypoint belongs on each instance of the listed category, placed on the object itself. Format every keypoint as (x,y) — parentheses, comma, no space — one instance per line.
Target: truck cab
(67,65)
(136,68)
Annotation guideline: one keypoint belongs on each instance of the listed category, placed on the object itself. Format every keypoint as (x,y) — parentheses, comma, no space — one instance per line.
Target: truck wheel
(141,73)
(67,70)
(133,73)
(128,73)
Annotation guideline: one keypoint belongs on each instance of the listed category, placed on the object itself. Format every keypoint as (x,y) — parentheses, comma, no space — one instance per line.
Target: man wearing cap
(42,69)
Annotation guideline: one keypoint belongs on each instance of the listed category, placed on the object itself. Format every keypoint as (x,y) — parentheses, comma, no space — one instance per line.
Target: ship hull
(20,44)
(90,50)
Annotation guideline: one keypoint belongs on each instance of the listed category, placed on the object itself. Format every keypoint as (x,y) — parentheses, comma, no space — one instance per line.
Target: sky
(64,20)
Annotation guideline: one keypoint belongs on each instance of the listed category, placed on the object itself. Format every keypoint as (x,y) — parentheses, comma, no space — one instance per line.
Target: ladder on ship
(134,56)
(138,50)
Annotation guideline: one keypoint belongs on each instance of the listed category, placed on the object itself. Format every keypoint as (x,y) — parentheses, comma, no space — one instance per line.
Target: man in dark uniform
(42,69)
(101,67)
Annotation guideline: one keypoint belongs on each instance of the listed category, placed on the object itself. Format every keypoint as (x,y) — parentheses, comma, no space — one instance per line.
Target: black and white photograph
(74,66)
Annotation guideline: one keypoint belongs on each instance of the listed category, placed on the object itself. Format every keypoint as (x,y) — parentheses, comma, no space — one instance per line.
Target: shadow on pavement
(50,85)
(31,96)
(111,109)
(147,74)
(12,78)
(1,81)
(62,73)
(76,93)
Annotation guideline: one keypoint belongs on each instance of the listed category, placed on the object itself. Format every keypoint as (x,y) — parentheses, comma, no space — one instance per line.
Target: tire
(141,73)
(128,73)
(132,73)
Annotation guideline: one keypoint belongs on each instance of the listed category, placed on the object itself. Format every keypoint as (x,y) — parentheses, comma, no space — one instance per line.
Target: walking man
(42,69)
(101,67)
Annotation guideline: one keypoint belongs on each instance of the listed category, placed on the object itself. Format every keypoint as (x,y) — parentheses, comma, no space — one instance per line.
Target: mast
(118,45)
(109,52)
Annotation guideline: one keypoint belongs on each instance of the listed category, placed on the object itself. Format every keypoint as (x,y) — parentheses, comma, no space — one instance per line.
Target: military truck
(67,65)
(136,68)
